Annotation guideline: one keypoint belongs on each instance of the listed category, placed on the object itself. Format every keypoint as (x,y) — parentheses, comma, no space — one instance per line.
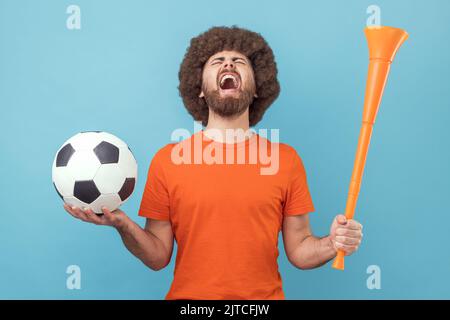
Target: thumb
(341,219)
(106,212)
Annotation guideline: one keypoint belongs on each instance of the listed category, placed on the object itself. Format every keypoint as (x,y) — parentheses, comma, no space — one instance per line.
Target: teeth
(228,76)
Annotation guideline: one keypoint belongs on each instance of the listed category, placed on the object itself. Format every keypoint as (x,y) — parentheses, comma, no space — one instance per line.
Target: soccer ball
(94,169)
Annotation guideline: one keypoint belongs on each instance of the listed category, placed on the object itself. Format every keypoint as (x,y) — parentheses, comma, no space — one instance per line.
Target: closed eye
(219,60)
(239,60)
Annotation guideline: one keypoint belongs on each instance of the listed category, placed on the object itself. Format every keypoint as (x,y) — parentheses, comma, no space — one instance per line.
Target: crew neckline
(251,140)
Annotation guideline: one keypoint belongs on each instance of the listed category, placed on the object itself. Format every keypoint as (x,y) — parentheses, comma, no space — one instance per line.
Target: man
(226,217)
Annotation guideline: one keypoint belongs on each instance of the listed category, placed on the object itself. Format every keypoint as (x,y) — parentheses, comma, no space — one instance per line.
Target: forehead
(227,54)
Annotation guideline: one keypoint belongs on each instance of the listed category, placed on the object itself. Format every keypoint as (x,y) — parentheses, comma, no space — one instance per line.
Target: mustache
(229,70)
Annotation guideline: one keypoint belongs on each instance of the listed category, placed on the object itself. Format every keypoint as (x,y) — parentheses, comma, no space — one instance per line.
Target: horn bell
(384,41)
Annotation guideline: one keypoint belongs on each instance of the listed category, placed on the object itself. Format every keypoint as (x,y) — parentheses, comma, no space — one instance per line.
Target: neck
(218,123)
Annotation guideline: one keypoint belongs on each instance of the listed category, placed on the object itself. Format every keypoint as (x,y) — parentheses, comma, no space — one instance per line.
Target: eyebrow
(223,58)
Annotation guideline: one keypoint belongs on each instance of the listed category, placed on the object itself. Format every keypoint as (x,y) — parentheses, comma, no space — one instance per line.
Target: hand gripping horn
(383,44)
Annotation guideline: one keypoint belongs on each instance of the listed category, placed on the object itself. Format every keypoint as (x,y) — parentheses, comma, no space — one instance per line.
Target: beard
(229,107)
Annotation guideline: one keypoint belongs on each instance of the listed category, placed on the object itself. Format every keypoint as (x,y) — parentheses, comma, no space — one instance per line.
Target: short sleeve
(155,198)
(298,199)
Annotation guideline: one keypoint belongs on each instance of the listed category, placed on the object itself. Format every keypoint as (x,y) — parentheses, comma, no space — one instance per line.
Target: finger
(341,219)
(107,214)
(348,241)
(354,225)
(69,210)
(348,232)
(117,212)
(80,214)
(348,249)
(72,210)
(92,216)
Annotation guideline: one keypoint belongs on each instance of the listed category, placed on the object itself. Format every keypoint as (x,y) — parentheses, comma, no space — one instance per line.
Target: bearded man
(226,217)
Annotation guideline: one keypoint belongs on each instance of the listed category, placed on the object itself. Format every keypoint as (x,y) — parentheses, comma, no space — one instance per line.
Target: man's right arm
(152,244)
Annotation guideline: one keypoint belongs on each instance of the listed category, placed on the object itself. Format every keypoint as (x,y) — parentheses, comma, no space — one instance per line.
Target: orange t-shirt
(226,217)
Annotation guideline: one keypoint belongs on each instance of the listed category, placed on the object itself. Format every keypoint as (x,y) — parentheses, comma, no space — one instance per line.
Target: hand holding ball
(94,170)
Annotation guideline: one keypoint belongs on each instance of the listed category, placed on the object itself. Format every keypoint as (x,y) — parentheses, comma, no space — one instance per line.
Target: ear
(201,94)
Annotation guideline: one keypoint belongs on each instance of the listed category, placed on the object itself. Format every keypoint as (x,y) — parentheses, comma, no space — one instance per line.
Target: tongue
(228,84)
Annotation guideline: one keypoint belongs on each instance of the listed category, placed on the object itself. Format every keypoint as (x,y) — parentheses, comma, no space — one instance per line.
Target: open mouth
(229,81)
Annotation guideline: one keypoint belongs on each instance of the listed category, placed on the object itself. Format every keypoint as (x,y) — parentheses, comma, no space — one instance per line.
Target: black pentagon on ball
(58,191)
(107,152)
(64,155)
(127,188)
(86,191)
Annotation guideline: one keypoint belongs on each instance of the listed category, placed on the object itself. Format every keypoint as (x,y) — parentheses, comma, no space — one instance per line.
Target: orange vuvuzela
(383,44)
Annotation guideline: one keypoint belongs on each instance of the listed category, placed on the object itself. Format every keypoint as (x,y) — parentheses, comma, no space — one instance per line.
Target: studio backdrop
(73,66)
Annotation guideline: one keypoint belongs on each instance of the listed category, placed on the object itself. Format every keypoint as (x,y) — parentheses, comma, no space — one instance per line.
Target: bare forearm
(143,244)
(313,252)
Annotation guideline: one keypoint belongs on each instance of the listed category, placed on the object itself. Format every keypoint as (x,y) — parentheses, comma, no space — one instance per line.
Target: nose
(228,64)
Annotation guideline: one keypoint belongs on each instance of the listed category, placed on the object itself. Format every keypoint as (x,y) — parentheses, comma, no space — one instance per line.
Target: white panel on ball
(111,201)
(127,163)
(109,178)
(83,165)
(63,180)
(85,140)
(72,201)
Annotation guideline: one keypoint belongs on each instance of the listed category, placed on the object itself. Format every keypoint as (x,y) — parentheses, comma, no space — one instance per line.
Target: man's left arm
(305,251)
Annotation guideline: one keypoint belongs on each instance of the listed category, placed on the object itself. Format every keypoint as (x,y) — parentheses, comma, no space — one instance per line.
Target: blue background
(119,74)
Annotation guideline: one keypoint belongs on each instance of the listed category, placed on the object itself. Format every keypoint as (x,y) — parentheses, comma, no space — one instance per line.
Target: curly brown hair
(216,39)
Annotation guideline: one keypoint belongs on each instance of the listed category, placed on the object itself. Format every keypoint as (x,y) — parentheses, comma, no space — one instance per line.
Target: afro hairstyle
(217,39)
